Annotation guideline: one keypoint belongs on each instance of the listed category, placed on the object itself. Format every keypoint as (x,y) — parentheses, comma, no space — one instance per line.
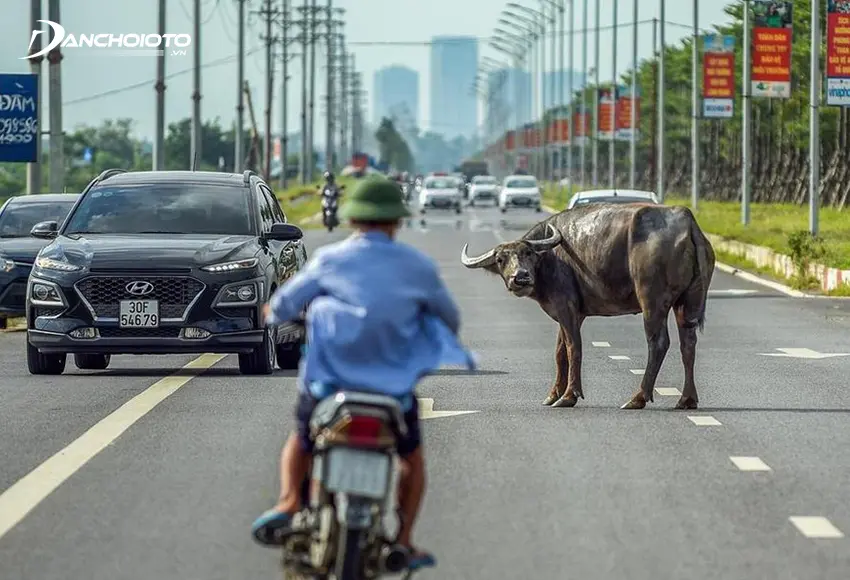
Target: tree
(215,143)
(393,149)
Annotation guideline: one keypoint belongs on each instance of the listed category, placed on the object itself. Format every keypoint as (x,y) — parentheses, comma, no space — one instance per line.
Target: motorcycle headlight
(53,264)
(231,266)
(238,294)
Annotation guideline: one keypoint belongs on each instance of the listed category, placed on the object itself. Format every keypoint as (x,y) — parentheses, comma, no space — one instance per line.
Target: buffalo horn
(546,244)
(485,259)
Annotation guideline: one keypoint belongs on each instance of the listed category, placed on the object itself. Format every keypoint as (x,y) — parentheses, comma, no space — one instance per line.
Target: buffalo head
(515,262)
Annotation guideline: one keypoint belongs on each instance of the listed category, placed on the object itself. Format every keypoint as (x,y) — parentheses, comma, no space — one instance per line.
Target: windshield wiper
(80,233)
(159,232)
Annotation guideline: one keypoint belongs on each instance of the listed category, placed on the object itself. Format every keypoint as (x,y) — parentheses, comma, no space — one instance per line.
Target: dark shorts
(405,445)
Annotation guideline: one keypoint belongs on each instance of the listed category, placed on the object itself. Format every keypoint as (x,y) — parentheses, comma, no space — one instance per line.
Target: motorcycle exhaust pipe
(394,559)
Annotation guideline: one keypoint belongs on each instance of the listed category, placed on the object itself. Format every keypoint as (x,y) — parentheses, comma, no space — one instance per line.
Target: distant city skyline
(454,104)
(396,95)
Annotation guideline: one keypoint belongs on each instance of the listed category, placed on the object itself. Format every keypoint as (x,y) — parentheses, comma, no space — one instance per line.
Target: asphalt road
(516,490)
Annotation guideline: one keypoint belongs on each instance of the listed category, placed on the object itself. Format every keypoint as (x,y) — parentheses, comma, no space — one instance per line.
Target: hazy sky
(87,72)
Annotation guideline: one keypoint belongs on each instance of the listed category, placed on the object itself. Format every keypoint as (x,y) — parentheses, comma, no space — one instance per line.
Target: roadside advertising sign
(771,66)
(718,76)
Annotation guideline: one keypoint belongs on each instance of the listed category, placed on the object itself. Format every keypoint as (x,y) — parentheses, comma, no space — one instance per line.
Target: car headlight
(232,266)
(238,294)
(53,264)
(43,293)
(6,265)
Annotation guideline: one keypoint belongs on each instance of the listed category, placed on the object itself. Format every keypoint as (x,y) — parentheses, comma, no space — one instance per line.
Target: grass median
(300,202)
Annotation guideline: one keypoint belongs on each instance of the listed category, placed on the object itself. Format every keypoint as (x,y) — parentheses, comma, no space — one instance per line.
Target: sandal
(272,527)
(419,559)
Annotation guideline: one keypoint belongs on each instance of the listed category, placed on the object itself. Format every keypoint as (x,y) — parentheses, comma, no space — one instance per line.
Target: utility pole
(695,148)
(269,14)
(284,92)
(311,127)
(584,127)
(653,149)
(660,117)
(305,34)
(34,169)
(343,109)
(612,145)
(329,90)
(814,121)
(196,92)
(747,114)
(595,152)
(159,87)
(54,72)
(634,101)
(239,149)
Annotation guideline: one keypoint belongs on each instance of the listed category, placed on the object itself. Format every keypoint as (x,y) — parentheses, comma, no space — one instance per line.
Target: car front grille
(175,294)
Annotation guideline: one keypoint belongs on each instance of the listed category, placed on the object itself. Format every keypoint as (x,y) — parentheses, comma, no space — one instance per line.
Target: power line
(489,38)
(148,83)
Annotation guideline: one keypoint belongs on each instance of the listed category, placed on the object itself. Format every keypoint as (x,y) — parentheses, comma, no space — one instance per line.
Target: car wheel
(504,209)
(289,355)
(458,209)
(261,360)
(471,203)
(538,209)
(44,364)
(422,211)
(92,362)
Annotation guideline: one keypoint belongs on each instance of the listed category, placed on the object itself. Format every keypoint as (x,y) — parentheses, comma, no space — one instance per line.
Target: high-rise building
(511,88)
(556,78)
(454,65)
(396,96)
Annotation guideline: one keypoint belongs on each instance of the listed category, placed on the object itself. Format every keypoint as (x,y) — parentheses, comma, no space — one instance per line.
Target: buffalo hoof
(634,404)
(550,398)
(687,403)
(566,401)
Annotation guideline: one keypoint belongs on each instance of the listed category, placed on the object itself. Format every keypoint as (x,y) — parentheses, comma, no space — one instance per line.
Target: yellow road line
(25,494)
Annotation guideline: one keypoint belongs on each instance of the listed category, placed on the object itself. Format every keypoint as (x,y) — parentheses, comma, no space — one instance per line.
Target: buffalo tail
(704,268)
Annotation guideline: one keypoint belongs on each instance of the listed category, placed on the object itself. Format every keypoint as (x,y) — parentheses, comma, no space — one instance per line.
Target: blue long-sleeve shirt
(379,316)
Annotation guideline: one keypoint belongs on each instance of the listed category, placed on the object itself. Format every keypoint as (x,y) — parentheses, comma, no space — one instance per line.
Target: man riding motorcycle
(379,318)
(331,192)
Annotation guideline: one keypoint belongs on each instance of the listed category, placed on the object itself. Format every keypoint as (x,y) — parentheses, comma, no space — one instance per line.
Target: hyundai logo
(139,288)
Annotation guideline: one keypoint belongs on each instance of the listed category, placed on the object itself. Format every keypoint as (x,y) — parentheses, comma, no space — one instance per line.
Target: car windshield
(446,183)
(163,208)
(521,183)
(613,199)
(484,181)
(19,218)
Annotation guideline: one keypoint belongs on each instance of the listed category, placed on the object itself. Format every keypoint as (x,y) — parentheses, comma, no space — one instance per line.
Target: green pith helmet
(375,199)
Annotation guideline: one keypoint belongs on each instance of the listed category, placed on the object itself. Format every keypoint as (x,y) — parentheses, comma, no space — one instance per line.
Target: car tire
(44,364)
(538,209)
(422,211)
(262,359)
(288,355)
(92,362)
(458,209)
(504,209)
(471,203)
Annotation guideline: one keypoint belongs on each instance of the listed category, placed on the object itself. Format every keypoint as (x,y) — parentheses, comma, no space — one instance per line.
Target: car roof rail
(104,175)
(246,176)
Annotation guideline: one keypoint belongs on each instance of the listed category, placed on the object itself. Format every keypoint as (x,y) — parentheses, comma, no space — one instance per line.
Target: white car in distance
(519,191)
(483,187)
(612,196)
(440,191)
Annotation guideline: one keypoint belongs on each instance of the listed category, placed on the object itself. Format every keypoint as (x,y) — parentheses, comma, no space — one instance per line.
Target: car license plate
(357,472)
(138,313)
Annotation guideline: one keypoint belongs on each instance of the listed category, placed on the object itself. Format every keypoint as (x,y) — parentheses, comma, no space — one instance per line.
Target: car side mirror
(284,233)
(45,230)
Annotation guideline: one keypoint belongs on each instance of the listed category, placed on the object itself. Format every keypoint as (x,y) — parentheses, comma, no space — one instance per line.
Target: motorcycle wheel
(348,565)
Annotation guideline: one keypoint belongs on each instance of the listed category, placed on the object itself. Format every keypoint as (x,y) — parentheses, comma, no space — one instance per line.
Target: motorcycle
(330,204)
(340,535)
(407,192)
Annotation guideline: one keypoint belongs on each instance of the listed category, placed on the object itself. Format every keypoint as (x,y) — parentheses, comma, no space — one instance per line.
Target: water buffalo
(610,260)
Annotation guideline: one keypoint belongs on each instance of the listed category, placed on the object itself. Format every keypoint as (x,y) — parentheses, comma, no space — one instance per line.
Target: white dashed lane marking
(816,527)
(601,344)
(704,420)
(750,464)
(667,391)
(618,357)
(636,371)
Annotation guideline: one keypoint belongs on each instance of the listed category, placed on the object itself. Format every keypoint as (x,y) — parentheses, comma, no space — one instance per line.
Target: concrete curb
(315,218)
(15,325)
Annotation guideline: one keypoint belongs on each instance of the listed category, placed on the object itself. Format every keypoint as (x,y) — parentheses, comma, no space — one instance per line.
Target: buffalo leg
(572,337)
(658,342)
(561,367)
(688,348)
